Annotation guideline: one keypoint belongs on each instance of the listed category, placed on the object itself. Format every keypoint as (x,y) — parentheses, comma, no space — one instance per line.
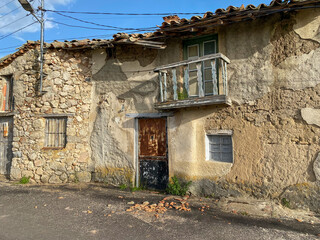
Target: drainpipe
(41,45)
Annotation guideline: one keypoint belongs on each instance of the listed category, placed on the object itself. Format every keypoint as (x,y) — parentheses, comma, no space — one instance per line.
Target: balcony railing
(200,81)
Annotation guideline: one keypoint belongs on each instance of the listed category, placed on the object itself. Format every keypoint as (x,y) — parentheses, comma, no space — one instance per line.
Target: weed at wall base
(176,187)
(24,180)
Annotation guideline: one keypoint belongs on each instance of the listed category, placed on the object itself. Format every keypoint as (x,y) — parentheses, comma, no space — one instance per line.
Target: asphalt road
(94,211)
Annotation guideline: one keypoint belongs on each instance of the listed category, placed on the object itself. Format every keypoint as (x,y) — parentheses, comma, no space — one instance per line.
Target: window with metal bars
(55,132)
(219,148)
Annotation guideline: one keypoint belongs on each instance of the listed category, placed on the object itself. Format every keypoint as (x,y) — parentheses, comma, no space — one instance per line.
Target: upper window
(219,148)
(194,49)
(6,102)
(55,132)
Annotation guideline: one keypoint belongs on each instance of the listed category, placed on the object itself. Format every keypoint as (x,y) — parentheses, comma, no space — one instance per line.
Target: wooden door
(6,127)
(153,153)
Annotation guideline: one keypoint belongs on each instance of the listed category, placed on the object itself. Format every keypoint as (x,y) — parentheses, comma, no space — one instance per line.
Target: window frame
(200,41)
(207,144)
(47,133)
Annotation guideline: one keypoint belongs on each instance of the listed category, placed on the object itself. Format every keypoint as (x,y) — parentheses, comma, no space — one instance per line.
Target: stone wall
(66,93)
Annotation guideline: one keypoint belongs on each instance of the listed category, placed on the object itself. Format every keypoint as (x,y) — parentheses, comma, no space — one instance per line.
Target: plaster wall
(123,83)
(273,74)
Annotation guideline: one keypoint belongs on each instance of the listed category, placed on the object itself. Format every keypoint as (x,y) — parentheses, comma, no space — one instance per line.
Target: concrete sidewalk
(98,211)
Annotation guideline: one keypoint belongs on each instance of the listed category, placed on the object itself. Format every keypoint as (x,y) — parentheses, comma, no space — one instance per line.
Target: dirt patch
(127,53)
(286,43)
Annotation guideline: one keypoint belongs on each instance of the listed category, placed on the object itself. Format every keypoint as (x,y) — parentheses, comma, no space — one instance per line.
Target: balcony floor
(195,102)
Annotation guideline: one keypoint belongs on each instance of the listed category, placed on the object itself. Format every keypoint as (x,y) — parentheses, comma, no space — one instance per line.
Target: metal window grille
(55,132)
(220,148)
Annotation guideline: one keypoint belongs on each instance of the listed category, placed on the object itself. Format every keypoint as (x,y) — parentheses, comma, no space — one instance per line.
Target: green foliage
(134,189)
(123,186)
(175,187)
(183,95)
(24,180)
(285,202)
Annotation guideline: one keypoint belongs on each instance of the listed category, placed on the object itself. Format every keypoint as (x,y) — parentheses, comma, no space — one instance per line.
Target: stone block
(54,179)
(26,173)
(311,116)
(316,167)
(83,176)
(32,156)
(15,173)
(84,156)
(38,163)
(44,178)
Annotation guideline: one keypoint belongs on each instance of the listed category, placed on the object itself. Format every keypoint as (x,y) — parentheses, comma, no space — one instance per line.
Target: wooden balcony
(196,82)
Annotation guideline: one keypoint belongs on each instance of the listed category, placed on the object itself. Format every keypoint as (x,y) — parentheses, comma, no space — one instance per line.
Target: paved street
(94,211)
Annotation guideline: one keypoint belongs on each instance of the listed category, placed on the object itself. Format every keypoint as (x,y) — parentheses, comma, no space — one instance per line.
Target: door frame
(136,138)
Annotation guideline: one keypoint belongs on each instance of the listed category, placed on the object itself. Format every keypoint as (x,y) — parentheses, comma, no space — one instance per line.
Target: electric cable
(5,36)
(102,25)
(104,29)
(14,21)
(7,3)
(128,14)
(10,12)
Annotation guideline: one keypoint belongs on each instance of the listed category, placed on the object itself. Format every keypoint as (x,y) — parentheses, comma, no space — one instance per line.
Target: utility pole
(28,7)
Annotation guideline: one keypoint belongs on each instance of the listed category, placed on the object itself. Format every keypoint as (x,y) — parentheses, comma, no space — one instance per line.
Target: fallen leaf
(60,197)
(120,197)
(35,206)
(299,220)
(89,212)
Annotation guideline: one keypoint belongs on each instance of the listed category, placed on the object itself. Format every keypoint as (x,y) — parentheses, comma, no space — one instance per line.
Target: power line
(123,14)
(5,36)
(14,21)
(104,29)
(10,12)
(7,3)
(102,25)
(76,26)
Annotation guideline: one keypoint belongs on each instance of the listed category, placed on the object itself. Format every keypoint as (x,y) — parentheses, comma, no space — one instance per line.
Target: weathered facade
(231,103)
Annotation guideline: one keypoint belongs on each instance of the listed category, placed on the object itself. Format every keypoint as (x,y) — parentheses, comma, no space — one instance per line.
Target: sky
(16,27)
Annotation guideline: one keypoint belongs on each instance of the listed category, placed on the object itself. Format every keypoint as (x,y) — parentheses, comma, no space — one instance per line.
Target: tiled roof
(233,14)
(70,45)
(172,23)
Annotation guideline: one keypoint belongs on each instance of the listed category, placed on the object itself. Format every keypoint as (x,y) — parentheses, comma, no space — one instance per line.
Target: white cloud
(10,23)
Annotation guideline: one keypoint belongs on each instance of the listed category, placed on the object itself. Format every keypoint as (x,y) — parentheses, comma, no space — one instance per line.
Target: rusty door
(6,126)
(153,154)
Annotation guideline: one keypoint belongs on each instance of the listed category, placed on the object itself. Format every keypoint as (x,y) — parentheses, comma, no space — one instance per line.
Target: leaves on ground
(162,206)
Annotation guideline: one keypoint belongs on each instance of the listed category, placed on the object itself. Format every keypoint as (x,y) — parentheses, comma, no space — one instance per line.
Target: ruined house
(229,100)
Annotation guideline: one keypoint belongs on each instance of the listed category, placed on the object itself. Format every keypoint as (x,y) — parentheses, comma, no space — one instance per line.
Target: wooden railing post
(165,85)
(223,76)
(199,77)
(161,88)
(186,79)
(175,87)
(226,78)
(214,77)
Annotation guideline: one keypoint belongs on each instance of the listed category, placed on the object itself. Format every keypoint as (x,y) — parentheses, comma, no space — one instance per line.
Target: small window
(6,96)
(55,132)
(219,148)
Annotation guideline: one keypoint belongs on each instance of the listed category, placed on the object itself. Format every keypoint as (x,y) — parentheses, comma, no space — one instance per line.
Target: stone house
(229,101)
